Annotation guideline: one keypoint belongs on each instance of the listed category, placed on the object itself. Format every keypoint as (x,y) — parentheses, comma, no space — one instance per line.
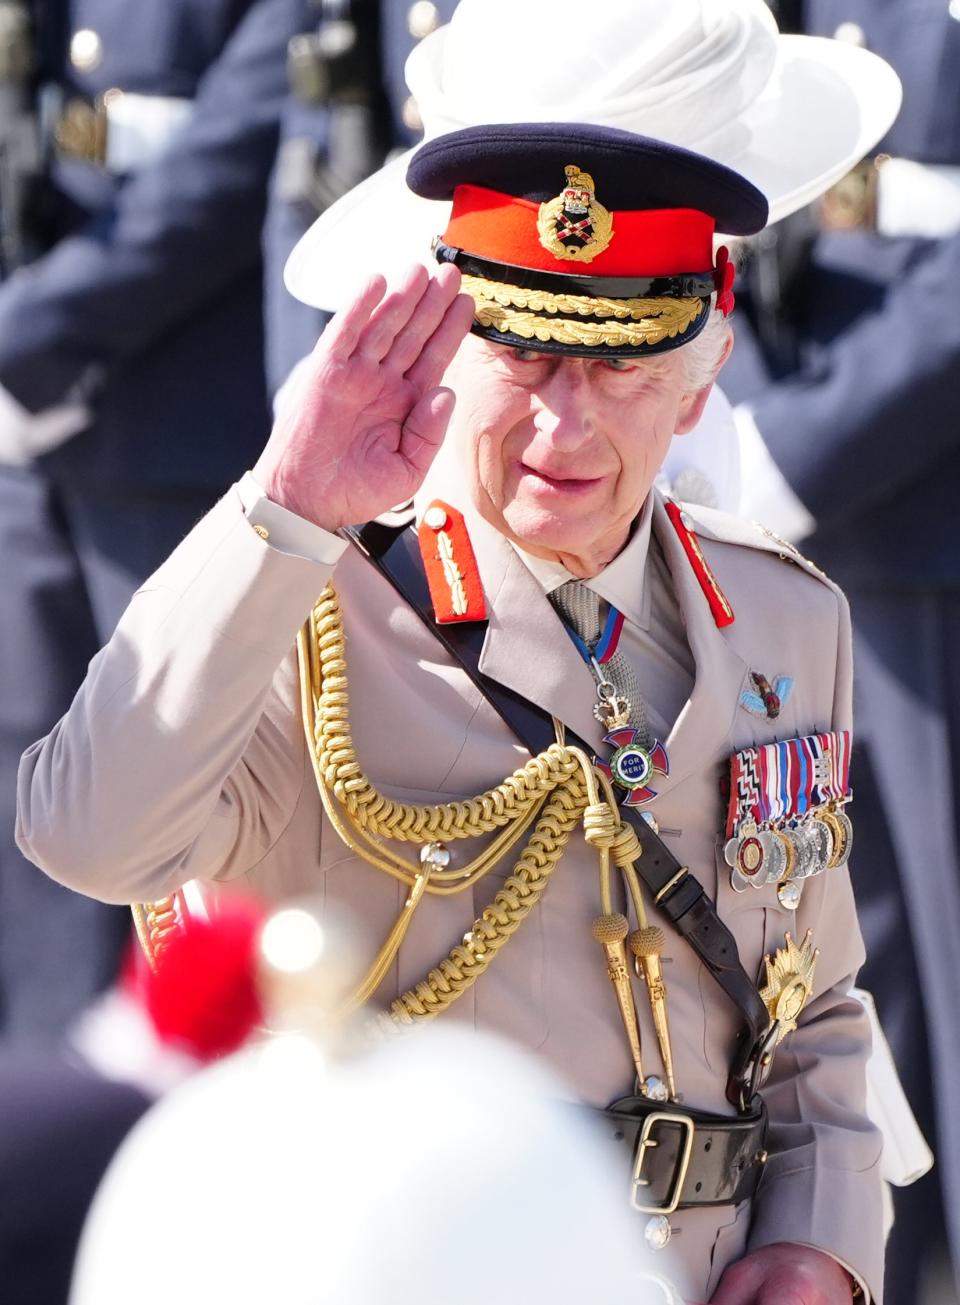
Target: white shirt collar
(623,582)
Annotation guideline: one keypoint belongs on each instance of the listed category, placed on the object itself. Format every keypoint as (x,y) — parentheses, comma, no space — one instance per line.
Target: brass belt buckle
(683,1164)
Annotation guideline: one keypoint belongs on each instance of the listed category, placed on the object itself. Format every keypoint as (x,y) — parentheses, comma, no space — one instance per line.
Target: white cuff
(765,494)
(906,1156)
(25,435)
(284,530)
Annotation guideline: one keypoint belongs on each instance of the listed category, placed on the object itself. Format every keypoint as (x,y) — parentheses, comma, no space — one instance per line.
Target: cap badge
(573,225)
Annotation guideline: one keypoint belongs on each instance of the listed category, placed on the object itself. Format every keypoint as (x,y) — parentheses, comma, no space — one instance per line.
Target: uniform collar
(624,583)
(528,650)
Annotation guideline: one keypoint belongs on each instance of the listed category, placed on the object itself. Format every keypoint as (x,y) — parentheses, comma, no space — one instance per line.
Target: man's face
(561,452)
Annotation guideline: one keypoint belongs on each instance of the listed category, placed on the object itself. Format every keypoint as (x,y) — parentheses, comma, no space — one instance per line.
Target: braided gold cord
(555,792)
(464,965)
(556,789)
(157,923)
(375,816)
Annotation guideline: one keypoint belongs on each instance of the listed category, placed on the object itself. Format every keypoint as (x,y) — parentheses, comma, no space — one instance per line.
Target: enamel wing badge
(574,225)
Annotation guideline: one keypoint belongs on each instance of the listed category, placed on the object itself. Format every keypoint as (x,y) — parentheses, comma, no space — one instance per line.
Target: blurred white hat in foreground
(790,113)
(439,1167)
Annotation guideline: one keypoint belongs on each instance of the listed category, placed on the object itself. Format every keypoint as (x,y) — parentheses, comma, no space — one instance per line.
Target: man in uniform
(598,324)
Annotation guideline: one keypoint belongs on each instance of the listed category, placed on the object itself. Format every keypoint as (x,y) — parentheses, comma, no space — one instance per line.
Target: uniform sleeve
(822,1185)
(181,230)
(181,756)
(844,445)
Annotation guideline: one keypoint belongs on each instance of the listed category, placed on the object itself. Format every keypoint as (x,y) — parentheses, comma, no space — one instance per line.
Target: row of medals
(788,853)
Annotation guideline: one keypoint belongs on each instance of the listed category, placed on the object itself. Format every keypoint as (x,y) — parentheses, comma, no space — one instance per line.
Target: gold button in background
(422,19)
(852,33)
(86,50)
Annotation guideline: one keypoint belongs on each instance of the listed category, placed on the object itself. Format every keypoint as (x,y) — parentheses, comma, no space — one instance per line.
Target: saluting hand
(784,1274)
(362,427)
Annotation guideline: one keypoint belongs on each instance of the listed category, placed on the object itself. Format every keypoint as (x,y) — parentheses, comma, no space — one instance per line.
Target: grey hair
(702,356)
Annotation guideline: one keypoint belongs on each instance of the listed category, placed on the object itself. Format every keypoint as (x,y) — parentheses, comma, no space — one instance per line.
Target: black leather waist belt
(683,1159)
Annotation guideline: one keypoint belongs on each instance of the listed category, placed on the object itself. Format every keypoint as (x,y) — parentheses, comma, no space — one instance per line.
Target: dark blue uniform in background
(858,405)
(144,302)
(330,144)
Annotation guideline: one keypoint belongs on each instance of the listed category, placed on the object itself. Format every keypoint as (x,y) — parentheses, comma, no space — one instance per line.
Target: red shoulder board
(455,588)
(719,606)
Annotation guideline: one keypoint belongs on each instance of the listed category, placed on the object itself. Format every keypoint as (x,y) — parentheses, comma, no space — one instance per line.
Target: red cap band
(653,242)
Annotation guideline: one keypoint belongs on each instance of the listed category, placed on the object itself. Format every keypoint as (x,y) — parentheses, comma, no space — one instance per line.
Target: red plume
(203,996)
(723,277)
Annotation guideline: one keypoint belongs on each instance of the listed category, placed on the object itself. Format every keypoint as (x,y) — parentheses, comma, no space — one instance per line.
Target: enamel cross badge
(632,765)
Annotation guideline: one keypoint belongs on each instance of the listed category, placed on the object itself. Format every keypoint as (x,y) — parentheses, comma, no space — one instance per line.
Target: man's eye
(620,364)
(525,355)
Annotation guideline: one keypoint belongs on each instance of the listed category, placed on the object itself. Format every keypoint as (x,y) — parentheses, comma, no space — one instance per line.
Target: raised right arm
(177,760)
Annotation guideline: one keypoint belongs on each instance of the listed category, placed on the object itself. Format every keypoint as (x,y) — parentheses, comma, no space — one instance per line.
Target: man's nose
(566,408)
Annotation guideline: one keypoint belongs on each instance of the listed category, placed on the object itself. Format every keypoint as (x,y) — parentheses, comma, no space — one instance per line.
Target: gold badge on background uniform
(574,225)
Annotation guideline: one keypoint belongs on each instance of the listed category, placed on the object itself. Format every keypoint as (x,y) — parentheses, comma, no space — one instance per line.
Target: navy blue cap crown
(526,160)
(585,240)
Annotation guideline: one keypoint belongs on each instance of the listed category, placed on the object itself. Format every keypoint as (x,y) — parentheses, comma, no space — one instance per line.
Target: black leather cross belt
(683,1159)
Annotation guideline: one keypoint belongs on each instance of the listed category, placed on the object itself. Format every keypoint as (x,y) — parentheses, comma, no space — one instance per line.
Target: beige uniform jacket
(183,757)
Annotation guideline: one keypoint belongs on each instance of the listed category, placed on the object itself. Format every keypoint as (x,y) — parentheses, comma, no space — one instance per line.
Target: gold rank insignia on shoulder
(574,225)
(789,983)
(450,565)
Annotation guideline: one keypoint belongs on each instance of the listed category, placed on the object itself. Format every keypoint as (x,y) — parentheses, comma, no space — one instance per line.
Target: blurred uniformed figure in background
(349,106)
(138,156)
(847,367)
(136,144)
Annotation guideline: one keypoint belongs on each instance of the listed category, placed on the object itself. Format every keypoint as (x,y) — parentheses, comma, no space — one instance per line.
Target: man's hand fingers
(437,353)
(343,331)
(393,314)
(425,319)
(784,1274)
(733,1295)
(739,1285)
(424,429)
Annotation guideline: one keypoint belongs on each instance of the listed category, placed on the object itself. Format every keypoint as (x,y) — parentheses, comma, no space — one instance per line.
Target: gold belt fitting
(851,203)
(81,130)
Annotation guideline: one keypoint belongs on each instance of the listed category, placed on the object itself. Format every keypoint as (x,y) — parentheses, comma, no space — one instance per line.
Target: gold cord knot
(600,825)
(625,847)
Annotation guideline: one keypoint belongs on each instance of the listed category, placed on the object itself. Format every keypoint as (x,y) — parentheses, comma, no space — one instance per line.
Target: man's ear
(694,401)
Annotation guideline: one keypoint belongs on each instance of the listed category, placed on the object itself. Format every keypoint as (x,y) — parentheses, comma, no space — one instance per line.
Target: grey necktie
(579,606)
